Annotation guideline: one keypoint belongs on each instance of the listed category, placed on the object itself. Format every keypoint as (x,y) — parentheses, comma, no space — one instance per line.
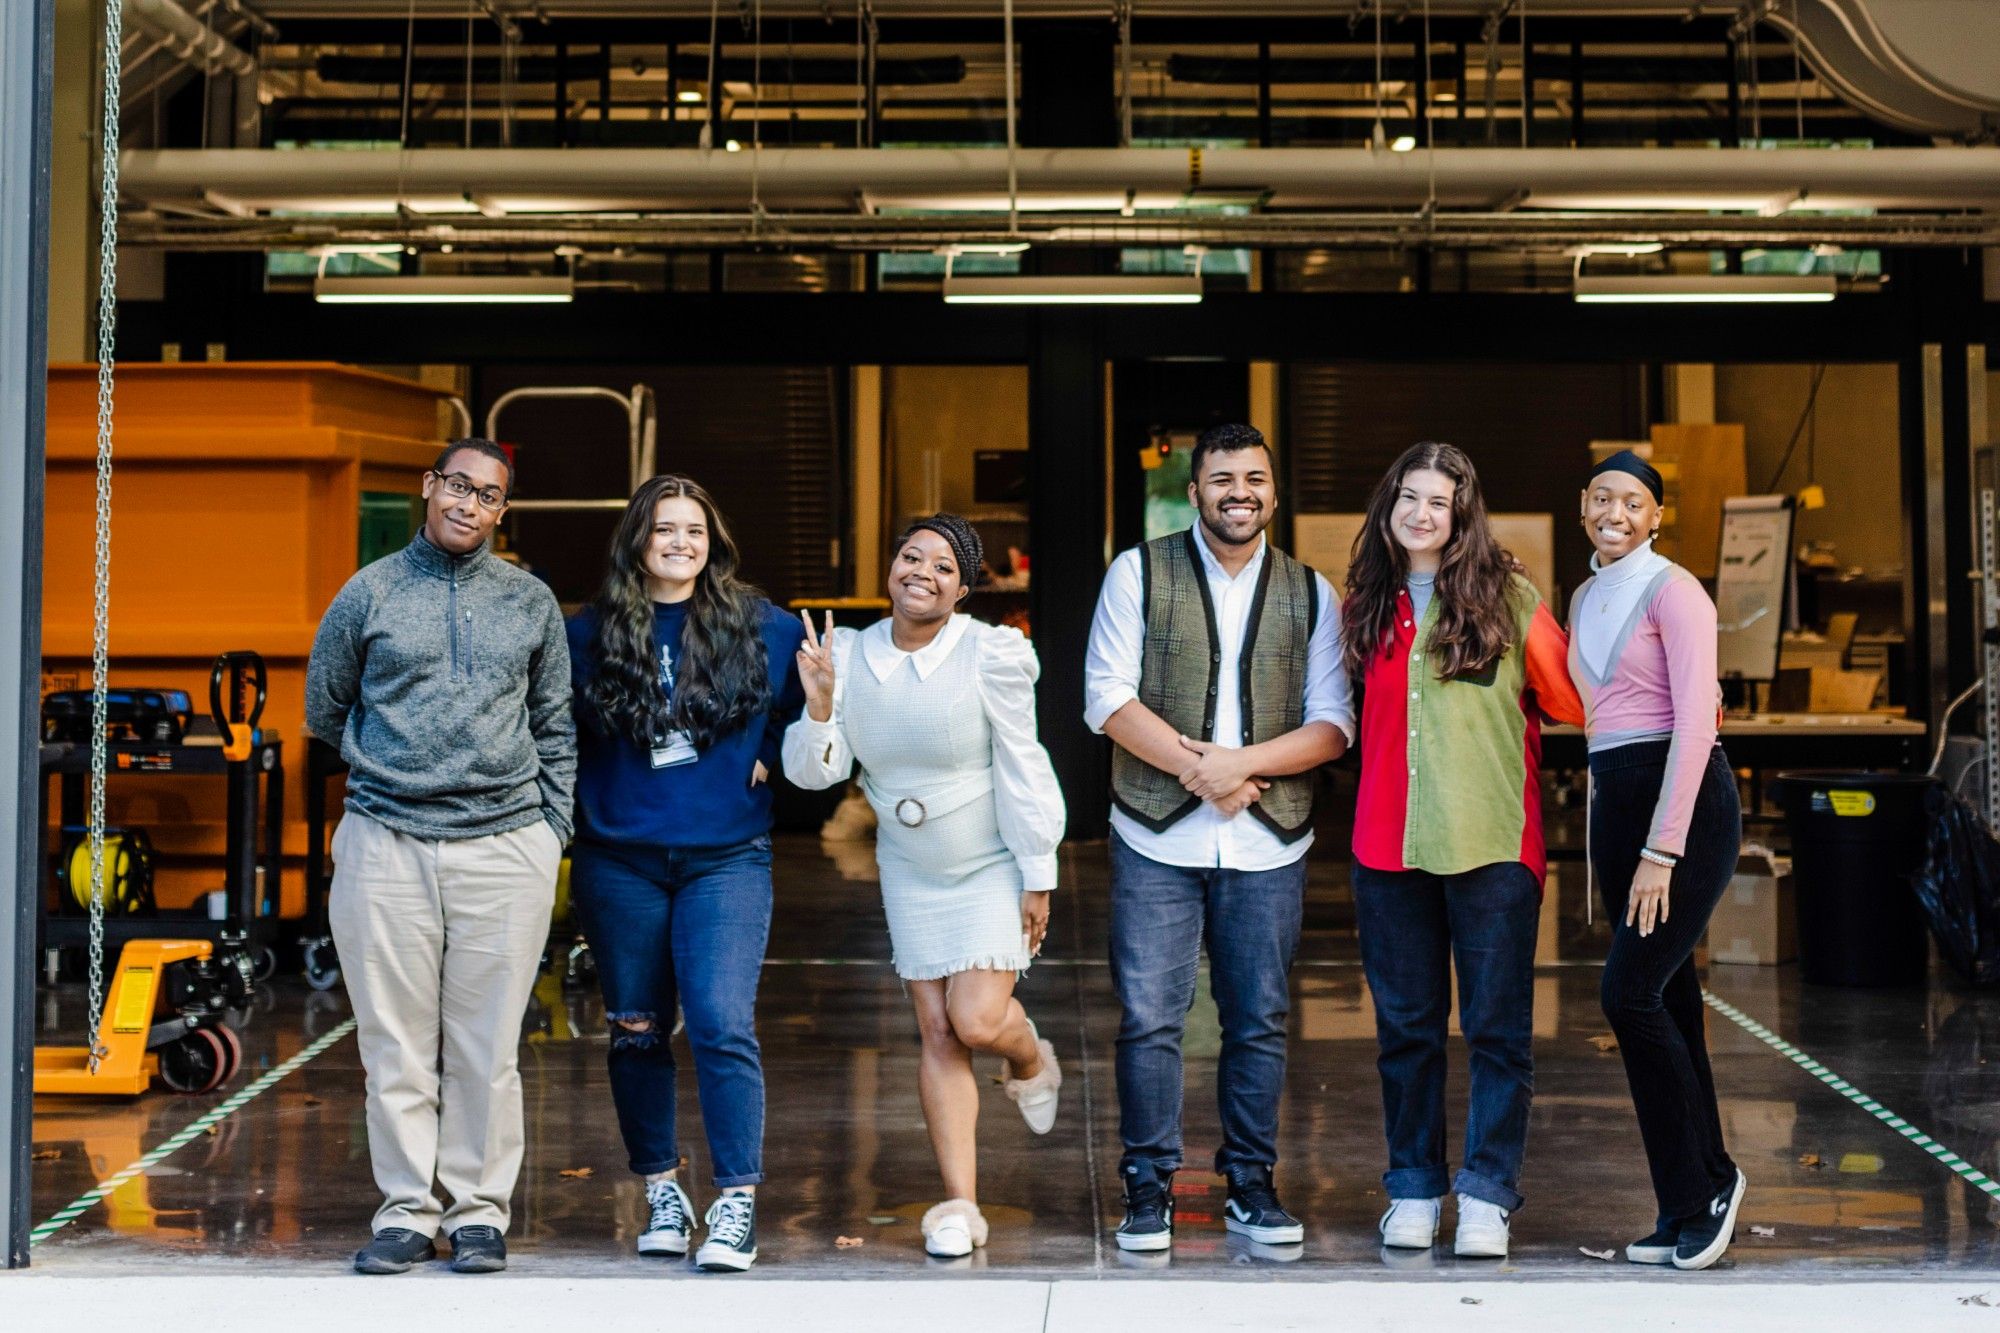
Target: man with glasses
(442,673)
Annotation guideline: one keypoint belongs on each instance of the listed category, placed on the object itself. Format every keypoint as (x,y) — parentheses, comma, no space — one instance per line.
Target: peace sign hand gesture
(816,668)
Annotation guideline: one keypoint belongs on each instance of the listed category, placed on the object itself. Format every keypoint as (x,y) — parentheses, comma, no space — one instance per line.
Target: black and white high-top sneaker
(1706,1236)
(1657,1248)
(1149,1210)
(670,1218)
(731,1246)
(1253,1210)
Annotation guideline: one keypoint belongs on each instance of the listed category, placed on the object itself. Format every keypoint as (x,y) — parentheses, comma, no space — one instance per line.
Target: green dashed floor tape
(1966,1171)
(215,1115)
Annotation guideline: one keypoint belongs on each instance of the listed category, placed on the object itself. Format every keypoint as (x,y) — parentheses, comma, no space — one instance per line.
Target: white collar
(1214,565)
(1641,563)
(878,645)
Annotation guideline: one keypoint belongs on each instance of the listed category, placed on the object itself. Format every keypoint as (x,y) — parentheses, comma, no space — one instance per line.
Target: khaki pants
(439,945)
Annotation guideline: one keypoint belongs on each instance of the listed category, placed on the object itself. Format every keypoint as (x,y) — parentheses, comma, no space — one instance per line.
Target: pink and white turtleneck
(1642,656)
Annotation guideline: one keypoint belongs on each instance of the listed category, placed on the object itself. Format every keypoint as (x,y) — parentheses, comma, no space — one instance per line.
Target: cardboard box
(1824,690)
(1756,920)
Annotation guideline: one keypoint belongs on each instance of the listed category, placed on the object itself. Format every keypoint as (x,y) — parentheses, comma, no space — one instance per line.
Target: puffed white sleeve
(816,754)
(1026,797)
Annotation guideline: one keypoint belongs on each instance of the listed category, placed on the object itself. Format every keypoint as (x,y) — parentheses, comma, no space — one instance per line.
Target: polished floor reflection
(1833,1191)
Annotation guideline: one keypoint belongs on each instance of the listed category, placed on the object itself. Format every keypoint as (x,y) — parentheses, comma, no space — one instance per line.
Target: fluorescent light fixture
(1618,248)
(1080,289)
(1403,143)
(444,289)
(1705,289)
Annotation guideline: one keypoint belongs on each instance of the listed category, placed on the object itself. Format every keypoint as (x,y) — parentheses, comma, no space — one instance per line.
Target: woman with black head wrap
(938,708)
(1664,831)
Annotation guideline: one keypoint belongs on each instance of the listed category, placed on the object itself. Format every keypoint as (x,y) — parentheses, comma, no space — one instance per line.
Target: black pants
(1651,994)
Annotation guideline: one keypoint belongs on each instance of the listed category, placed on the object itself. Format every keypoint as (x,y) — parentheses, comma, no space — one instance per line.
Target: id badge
(673,750)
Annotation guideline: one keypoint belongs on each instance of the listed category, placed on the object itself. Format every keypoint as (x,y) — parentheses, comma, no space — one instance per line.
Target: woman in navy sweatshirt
(685,680)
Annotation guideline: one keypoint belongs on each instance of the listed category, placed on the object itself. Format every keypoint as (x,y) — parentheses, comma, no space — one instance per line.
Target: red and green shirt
(1451,769)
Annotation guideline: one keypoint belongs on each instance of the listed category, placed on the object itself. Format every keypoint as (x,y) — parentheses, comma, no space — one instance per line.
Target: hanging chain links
(100,629)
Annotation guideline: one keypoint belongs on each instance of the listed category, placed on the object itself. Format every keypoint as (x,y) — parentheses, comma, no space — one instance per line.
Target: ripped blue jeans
(686,925)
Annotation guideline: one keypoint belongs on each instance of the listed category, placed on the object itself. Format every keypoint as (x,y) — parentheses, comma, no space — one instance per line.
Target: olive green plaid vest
(1182,663)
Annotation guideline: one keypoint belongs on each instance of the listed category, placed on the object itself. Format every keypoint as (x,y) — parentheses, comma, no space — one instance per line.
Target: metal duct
(512,182)
(189,38)
(832,232)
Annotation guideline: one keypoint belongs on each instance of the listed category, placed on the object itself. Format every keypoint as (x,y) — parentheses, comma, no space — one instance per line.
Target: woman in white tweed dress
(939,710)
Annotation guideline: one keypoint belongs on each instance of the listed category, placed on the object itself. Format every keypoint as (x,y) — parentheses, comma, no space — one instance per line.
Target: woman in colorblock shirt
(1458,661)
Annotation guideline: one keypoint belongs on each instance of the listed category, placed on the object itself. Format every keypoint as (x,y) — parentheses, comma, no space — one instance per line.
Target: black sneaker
(731,1246)
(1253,1210)
(394,1250)
(1657,1248)
(669,1218)
(1149,1210)
(1706,1235)
(477,1249)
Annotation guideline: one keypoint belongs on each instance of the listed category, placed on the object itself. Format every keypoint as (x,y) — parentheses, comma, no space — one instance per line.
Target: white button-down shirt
(1204,837)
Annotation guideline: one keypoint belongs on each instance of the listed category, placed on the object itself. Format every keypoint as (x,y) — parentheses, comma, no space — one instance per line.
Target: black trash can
(1856,840)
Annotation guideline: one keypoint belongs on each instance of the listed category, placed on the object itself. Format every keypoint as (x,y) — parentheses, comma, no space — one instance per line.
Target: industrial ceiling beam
(1517,230)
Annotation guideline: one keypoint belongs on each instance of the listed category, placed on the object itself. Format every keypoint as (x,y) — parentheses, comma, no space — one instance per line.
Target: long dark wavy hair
(722,679)
(1475,615)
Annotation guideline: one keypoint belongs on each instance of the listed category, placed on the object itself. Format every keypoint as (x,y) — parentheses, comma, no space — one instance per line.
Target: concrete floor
(284,1176)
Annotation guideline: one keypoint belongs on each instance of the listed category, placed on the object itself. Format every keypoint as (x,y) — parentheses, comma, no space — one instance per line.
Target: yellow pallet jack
(163,1013)
(162,1019)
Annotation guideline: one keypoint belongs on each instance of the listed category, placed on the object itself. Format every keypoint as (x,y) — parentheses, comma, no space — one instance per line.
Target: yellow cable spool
(128,873)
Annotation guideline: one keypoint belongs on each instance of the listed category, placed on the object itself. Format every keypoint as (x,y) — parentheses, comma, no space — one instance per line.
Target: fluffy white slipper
(1038,1096)
(953,1229)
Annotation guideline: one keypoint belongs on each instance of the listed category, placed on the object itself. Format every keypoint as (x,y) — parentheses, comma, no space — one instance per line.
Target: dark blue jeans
(690,925)
(1414,925)
(1160,915)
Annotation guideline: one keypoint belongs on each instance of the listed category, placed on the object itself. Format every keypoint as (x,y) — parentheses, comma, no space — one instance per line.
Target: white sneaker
(1482,1229)
(670,1218)
(1038,1096)
(953,1229)
(1412,1224)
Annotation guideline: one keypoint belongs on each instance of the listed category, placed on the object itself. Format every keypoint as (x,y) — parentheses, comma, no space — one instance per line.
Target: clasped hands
(1222,776)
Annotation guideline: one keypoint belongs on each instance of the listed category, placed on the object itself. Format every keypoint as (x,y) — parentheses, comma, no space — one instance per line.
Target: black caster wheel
(322,965)
(195,1063)
(264,963)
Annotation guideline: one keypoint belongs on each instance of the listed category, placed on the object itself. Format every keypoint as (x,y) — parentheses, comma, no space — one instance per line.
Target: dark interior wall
(768,442)
(1173,396)
(1525,426)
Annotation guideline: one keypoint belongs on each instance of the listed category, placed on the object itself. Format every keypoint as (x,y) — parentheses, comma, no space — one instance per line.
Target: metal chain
(107,330)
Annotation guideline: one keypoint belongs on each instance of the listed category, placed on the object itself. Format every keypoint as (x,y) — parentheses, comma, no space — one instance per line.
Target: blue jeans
(1413,926)
(1160,915)
(687,925)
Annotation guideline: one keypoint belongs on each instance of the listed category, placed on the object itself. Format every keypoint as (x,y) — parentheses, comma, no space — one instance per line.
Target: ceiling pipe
(454,182)
(193,41)
(1920,65)
(1404,229)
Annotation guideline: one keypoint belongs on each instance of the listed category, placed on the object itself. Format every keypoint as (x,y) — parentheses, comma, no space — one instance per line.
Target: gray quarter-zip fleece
(445,682)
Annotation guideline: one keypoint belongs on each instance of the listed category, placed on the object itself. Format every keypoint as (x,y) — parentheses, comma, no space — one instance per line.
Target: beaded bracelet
(1658,858)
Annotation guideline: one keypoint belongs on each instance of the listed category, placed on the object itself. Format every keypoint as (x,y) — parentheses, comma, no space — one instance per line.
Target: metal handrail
(641,409)
(1944,723)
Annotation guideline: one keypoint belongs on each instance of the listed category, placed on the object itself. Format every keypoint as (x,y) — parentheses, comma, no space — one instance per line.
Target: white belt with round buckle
(904,819)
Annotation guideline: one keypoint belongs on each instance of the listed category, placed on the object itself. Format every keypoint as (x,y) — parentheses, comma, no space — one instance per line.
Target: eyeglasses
(458,486)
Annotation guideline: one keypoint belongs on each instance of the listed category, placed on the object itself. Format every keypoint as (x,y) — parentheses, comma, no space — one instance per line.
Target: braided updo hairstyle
(961,536)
